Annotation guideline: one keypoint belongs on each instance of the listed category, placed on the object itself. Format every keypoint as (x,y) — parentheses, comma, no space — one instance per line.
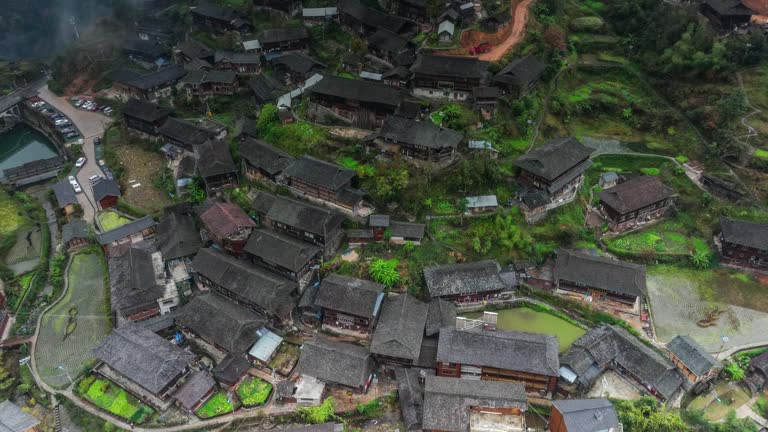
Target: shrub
(682,159)
(215,406)
(650,171)
(369,410)
(733,372)
(319,414)
(254,391)
(385,271)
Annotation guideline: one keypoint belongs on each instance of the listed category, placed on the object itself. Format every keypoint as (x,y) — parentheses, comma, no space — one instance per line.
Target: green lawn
(110,397)
(666,238)
(216,406)
(110,220)
(254,391)
(12,215)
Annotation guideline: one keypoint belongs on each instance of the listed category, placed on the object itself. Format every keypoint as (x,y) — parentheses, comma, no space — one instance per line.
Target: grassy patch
(285,358)
(254,391)
(730,398)
(110,397)
(668,238)
(110,220)
(762,154)
(12,216)
(215,406)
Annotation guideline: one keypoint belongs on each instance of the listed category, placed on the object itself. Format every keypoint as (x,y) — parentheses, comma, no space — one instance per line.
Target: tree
(408,247)
(196,192)
(452,115)
(385,271)
(319,414)
(734,372)
(645,415)
(701,259)
(6,379)
(390,181)
(268,117)
(554,38)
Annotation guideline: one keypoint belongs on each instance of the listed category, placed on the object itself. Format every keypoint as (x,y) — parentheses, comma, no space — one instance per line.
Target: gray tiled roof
(64,193)
(744,233)
(223,219)
(400,329)
(76,228)
(378,220)
(282,34)
(196,387)
(279,249)
(164,76)
(184,131)
(318,172)
(521,71)
(635,194)
(220,321)
(145,111)
(692,355)
(360,90)
(177,236)
(587,415)
(299,214)
(335,362)
(410,393)
(104,188)
(447,401)
(554,158)
(13,419)
(264,156)
(441,314)
(143,357)
(132,280)
(598,272)
(350,295)
(517,351)
(451,67)
(427,134)
(466,278)
(126,230)
(213,158)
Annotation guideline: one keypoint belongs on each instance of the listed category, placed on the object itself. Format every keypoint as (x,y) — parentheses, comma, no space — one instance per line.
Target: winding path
(519,21)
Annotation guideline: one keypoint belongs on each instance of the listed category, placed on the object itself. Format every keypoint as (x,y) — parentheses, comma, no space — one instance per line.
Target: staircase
(57,418)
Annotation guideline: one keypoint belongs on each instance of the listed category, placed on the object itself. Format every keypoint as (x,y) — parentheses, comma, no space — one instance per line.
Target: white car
(94,179)
(101,162)
(78,103)
(75,184)
(80,162)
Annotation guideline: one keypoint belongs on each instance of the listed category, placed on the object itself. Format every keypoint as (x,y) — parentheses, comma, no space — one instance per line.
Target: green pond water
(23,144)
(531,321)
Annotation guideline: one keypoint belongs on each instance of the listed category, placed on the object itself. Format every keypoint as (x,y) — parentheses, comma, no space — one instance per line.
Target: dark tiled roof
(744,233)
(132,280)
(730,7)
(232,368)
(126,230)
(282,250)
(221,321)
(441,314)
(378,220)
(64,193)
(204,76)
(587,415)
(146,111)
(184,131)
(598,272)
(521,71)
(143,357)
(400,329)
(554,158)
(194,49)
(359,90)
(150,80)
(350,295)
(282,35)
(13,419)
(388,41)
(410,393)
(269,292)
(374,18)
(635,194)
(305,216)
(145,48)
(335,362)
(177,235)
(215,11)
(447,401)
(264,156)
(196,387)
(466,278)
(76,228)
(486,92)
(427,134)
(104,188)
(517,351)
(223,219)
(692,355)
(265,87)
(239,58)
(297,62)
(452,67)
(407,230)
(213,158)
(319,172)
(760,363)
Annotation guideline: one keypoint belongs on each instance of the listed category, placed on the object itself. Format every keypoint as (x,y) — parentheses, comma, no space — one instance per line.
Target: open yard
(528,320)
(217,405)
(66,338)
(254,391)
(666,238)
(730,396)
(285,358)
(12,216)
(707,304)
(110,220)
(109,397)
(142,167)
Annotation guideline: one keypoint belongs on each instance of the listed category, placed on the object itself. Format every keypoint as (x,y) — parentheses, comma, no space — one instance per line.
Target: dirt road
(519,21)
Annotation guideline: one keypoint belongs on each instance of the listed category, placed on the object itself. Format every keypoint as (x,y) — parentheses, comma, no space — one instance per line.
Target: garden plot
(144,167)
(109,397)
(25,253)
(707,304)
(75,325)
(110,220)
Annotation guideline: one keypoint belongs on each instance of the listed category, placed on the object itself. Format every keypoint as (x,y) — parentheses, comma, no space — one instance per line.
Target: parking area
(60,121)
(86,103)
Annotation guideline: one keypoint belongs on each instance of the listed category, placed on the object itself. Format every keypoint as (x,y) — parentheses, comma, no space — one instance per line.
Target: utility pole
(73,21)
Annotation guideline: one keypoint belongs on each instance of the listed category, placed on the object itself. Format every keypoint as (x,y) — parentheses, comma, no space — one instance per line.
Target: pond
(528,320)
(23,144)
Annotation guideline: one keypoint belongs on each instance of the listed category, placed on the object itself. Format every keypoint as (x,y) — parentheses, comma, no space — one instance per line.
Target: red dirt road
(519,20)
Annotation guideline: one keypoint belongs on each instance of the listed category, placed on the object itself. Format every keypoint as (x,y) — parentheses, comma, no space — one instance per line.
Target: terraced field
(78,323)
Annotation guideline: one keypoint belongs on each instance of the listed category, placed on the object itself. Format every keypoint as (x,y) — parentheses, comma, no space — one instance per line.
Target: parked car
(79,103)
(480,48)
(94,179)
(75,184)
(108,173)
(101,162)
(97,141)
(80,162)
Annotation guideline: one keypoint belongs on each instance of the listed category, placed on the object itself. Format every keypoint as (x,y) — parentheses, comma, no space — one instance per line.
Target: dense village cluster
(233,298)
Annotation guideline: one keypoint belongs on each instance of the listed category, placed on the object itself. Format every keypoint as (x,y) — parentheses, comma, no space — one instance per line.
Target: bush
(650,171)
(385,271)
(319,414)
(254,391)
(370,410)
(215,406)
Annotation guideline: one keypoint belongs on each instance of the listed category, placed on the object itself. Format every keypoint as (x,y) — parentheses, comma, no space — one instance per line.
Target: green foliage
(297,138)
(408,247)
(319,414)
(239,196)
(693,55)
(195,192)
(587,24)
(385,271)
(268,117)
(113,399)
(6,379)
(369,410)
(681,159)
(646,415)
(254,391)
(734,372)
(390,181)
(216,406)
(650,171)
(761,406)
(701,259)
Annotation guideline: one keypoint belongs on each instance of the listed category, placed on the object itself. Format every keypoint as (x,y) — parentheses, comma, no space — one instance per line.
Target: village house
(220,324)
(179,241)
(152,86)
(259,290)
(240,63)
(583,415)
(190,50)
(400,331)
(612,347)
(695,363)
(452,405)
(361,103)
(262,161)
(284,255)
(392,48)
(410,394)
(75,234)
(65,197)
(757,374)
(289,7)
(218,18)
(202,83)
(145,117)
(301,220)
(106,192)
(445,32)
(743,244)
(265,89)
(264,349)
(14,419)
(336,363)
(486,99)
(349,305)
(283,39)
(636,202)
(183,134)
(413,9)
(418,140)
(520,76)
(482,204)
(444,77)
(319,15)
(137,286)
(231,371)
(496,22)
(156,30)
(132,232)
(726,15)
(325,181)
(466,282)
(143,363)
(215,165)
(403,232)
(194,390)
(550,175)
(228,226)
(365,20)
(294,68)
(442,313)
(499,355)
(606,282)
(146,53)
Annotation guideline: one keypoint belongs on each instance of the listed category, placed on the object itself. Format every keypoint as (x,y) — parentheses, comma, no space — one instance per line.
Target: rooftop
(146,111)
(277,35)
(743,233)
(318,172)
(335,362)
(225,219)
(442,313)
(521,71)
(213,159)
(76,228)
(464,279)
(184,131)
(298,214)
(350,295)
(65,194)
(599,272)
(554,158)
(447,66)
(133,280)
(692,355)
(150,80)
(587,415)
(196,387)
(177,236)
(412,132)
(635,194)
(126,230)
(359,90)
(14,419)
(400,329)
(287,252)
(105,188)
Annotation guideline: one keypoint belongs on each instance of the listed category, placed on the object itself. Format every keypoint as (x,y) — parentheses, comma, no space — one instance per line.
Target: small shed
(482,203)
(75,234)
(445,32)
(264,348)
(608,180)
